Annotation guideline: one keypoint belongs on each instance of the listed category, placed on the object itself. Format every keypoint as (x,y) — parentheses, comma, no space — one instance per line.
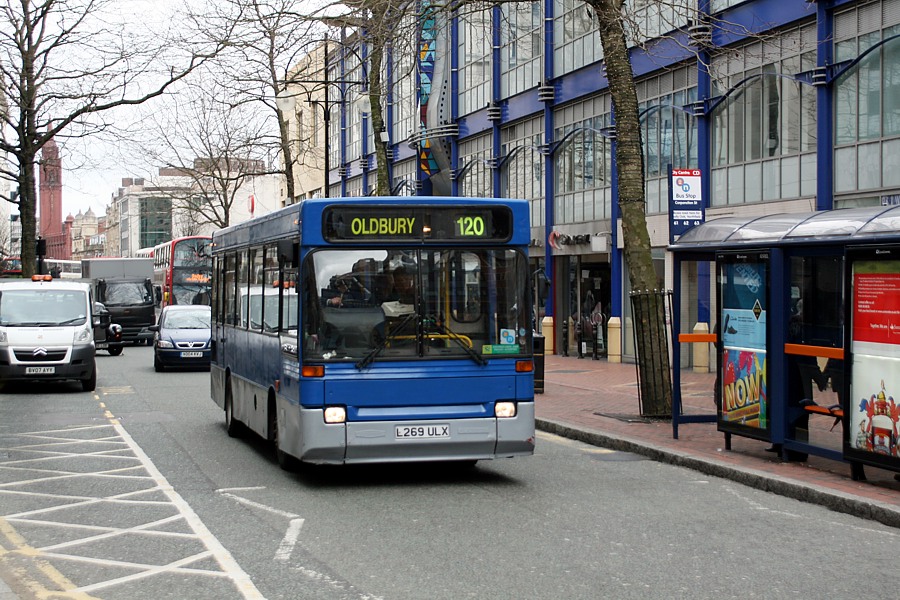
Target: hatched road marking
(30,461)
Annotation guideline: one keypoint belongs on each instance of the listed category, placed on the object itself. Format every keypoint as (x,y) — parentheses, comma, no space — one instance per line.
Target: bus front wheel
(285,460)
(232,425)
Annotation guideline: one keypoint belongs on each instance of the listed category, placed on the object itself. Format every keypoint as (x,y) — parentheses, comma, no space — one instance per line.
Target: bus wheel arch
(285,460)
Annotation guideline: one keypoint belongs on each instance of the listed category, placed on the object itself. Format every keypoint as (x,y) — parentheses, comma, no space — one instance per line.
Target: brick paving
(597,402)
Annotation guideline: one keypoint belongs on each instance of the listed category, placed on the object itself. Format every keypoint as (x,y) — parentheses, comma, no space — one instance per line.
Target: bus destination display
(413,223)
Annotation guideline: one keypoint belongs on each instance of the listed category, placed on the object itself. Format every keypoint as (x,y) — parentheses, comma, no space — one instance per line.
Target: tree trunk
(376,115)
(284,133)
(632,202)
(27,204)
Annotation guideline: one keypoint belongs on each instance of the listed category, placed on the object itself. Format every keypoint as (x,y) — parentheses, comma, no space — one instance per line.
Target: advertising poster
(744,388)
(743,331)
(874,403)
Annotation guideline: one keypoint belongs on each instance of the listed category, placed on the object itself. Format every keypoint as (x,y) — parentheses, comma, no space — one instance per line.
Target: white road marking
(286,548)
(290,540)
(43,448)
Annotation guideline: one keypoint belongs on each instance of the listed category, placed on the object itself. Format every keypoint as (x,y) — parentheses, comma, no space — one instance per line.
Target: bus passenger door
(226,314)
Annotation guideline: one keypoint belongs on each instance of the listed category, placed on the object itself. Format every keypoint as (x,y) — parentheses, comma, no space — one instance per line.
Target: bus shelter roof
(841,227)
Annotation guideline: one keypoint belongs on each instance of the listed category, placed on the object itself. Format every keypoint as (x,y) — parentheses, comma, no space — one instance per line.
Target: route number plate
(408,432)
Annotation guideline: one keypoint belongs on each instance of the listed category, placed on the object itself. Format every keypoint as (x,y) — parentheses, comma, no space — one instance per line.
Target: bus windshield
(382,304)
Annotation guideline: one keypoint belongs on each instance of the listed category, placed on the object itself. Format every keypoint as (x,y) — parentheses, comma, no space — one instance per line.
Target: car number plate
(406,432)
(40,370)
(191,354)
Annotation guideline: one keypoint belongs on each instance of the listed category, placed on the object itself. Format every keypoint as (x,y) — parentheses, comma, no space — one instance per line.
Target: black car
(182,336)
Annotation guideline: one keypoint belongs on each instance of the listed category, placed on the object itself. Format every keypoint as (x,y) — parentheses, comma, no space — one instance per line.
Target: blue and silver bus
(380,329)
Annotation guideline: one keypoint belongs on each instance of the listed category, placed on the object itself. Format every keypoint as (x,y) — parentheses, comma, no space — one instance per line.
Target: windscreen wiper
(480,360)
(382,344)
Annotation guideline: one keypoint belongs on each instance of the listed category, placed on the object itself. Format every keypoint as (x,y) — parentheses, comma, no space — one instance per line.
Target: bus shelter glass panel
(743,304)
(872,417)
(814,334)
(380,304)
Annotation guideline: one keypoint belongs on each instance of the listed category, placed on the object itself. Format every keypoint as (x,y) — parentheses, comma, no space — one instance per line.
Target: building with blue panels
(780,105)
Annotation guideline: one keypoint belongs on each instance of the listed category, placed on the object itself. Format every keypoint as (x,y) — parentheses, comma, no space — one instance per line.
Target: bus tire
(232,425)
(90,384)
(285,460)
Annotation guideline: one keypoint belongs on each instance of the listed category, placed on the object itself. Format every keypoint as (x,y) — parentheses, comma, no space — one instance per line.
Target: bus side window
(289,301)
(270,289)
(255,290)
(243,271)
(228,289)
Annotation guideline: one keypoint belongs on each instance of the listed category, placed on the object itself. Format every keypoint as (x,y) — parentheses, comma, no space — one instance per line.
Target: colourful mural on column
(427,42)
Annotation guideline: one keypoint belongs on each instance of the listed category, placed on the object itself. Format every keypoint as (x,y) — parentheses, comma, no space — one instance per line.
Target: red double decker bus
(182,268)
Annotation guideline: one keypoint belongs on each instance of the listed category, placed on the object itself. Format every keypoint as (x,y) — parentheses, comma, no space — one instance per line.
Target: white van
(46,331)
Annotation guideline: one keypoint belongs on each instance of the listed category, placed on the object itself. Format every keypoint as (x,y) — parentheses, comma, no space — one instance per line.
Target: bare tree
(214,146)
(63,65)
(271,37)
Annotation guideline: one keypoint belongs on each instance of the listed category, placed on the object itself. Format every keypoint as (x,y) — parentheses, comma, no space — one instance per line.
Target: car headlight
(164,344)
(2,337)
(84,336)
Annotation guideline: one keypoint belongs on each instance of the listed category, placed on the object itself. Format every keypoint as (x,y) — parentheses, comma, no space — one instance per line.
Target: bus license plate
(40,370)
(191,354)
(407,432)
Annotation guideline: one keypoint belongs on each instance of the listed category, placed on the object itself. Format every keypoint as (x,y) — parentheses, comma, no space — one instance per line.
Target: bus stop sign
(685,201)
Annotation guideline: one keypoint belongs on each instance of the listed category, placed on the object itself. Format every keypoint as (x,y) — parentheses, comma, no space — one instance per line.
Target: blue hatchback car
(181,337)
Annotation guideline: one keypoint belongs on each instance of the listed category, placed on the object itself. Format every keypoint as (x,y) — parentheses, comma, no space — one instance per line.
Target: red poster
(876,314)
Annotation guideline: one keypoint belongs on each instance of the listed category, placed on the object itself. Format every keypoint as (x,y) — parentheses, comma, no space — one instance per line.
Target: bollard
(700,351)
(614,329)
(579,338)
(565,340)
(549,337)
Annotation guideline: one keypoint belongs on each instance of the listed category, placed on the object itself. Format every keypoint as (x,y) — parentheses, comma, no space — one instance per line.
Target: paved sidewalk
(597,402)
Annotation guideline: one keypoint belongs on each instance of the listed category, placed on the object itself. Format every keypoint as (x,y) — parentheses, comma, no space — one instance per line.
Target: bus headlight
(335,414)
(2,337)
(505,410)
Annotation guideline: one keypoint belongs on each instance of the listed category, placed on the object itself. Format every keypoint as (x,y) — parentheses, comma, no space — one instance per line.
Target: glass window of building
(403,91)
(583,161)
(475,161)
(576,42)
(404,183)
(764,132)
(474,58)
(523,174)
(155,221)
(669,132)
(867,105)
(521,47)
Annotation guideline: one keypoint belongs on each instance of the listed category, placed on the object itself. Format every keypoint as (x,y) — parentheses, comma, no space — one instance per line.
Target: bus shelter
(805,311)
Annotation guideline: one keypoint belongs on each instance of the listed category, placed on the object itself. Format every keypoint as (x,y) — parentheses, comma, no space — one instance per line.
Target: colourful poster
(875,405)
(744,388)
(743,306)
(875,394)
